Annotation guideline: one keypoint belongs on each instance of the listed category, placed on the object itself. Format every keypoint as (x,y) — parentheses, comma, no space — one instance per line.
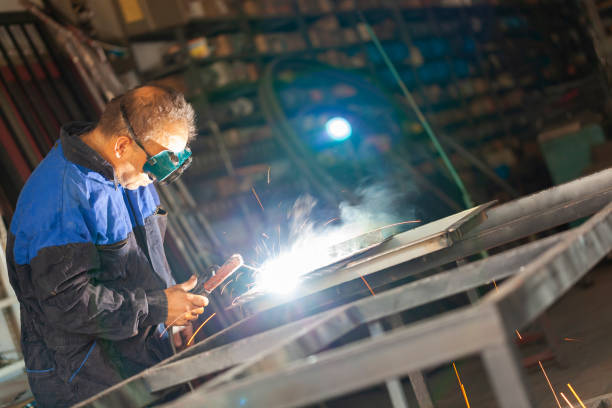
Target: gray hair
(148,112)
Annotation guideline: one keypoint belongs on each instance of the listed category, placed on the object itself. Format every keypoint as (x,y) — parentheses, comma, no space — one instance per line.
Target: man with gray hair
(85,250)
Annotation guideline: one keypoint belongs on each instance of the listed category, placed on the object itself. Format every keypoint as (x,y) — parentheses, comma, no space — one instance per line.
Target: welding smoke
(313,244)
(377,205)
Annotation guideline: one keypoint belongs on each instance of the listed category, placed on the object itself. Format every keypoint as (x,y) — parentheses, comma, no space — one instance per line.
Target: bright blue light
(338,128)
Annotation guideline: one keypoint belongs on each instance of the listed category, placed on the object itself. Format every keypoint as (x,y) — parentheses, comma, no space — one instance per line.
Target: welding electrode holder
(203,277)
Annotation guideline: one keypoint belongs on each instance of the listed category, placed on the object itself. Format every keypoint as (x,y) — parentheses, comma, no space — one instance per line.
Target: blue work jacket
(87,263)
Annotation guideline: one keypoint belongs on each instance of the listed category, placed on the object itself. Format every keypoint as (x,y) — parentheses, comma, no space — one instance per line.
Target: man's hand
(182,336)
(182,305)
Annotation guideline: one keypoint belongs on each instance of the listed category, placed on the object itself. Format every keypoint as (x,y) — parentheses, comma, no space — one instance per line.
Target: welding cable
(289,141)
(467,200)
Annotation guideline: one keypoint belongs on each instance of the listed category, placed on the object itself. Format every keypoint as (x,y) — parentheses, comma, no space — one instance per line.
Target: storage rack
(483,74)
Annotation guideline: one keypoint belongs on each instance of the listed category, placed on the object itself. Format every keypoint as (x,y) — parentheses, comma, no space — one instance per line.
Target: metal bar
(358,365)
(45,69)
(417,380)
(547,278)
(420,389)
(394,385)
(48,105)
(62,64)
(48,130)
(506,376)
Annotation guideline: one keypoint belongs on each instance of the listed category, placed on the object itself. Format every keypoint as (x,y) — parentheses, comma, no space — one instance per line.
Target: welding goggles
(166,166)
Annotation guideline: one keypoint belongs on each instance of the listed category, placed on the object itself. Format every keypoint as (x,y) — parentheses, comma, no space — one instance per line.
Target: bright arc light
(279,276)
(338,128)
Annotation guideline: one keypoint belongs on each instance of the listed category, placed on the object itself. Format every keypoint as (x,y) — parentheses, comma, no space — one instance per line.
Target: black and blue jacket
(87,263)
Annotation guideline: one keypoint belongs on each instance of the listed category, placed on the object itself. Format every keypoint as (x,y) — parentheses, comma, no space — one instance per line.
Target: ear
(122,143)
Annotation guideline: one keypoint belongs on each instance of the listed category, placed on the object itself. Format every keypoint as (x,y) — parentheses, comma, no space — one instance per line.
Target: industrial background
(315,114)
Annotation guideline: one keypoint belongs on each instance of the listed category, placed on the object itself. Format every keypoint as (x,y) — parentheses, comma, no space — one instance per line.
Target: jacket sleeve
(69,299)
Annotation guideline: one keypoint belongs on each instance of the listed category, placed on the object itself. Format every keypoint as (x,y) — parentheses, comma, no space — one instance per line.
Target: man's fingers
(189,284)
(198,311)
(197,300)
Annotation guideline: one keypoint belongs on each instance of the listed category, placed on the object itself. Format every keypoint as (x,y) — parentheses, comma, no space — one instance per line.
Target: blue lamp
(338,128)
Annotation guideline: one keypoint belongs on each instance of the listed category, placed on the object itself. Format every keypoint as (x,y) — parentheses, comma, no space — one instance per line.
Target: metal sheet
(403,247)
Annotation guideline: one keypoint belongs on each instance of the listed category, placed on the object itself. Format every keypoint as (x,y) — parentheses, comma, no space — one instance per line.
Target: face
(130,158)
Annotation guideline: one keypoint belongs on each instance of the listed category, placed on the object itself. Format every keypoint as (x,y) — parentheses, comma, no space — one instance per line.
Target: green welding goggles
(166,166)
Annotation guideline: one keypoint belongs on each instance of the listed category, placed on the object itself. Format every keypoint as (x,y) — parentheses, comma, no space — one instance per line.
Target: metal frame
(280,366)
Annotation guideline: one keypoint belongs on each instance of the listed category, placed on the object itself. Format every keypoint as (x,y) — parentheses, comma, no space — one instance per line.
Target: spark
(549,384)
(368,285)
(570,339)
(467,402)
(330,221)
(566,400)
(199,328)
(265,235)
(225,286)
(519,335)
(269,175)
(251,267)
(575,395)
(257,198)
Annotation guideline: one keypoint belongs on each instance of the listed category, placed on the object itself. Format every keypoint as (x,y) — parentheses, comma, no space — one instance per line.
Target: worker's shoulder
(57,192)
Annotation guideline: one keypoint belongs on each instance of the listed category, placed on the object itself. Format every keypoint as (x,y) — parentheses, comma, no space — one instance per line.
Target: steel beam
(358,365)
(546,279)
(138,390)
(302,338)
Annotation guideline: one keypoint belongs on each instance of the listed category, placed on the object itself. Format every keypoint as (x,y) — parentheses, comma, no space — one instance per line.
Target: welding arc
(549,384)
(576,395)
(199,328)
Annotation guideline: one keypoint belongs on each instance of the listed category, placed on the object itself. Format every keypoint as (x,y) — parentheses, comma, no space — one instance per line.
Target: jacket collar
(80,153)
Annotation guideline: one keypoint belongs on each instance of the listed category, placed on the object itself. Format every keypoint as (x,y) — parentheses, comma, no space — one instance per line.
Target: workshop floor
(584,315)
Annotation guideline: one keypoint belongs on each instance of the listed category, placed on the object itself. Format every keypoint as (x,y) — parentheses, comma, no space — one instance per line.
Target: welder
(85,250)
